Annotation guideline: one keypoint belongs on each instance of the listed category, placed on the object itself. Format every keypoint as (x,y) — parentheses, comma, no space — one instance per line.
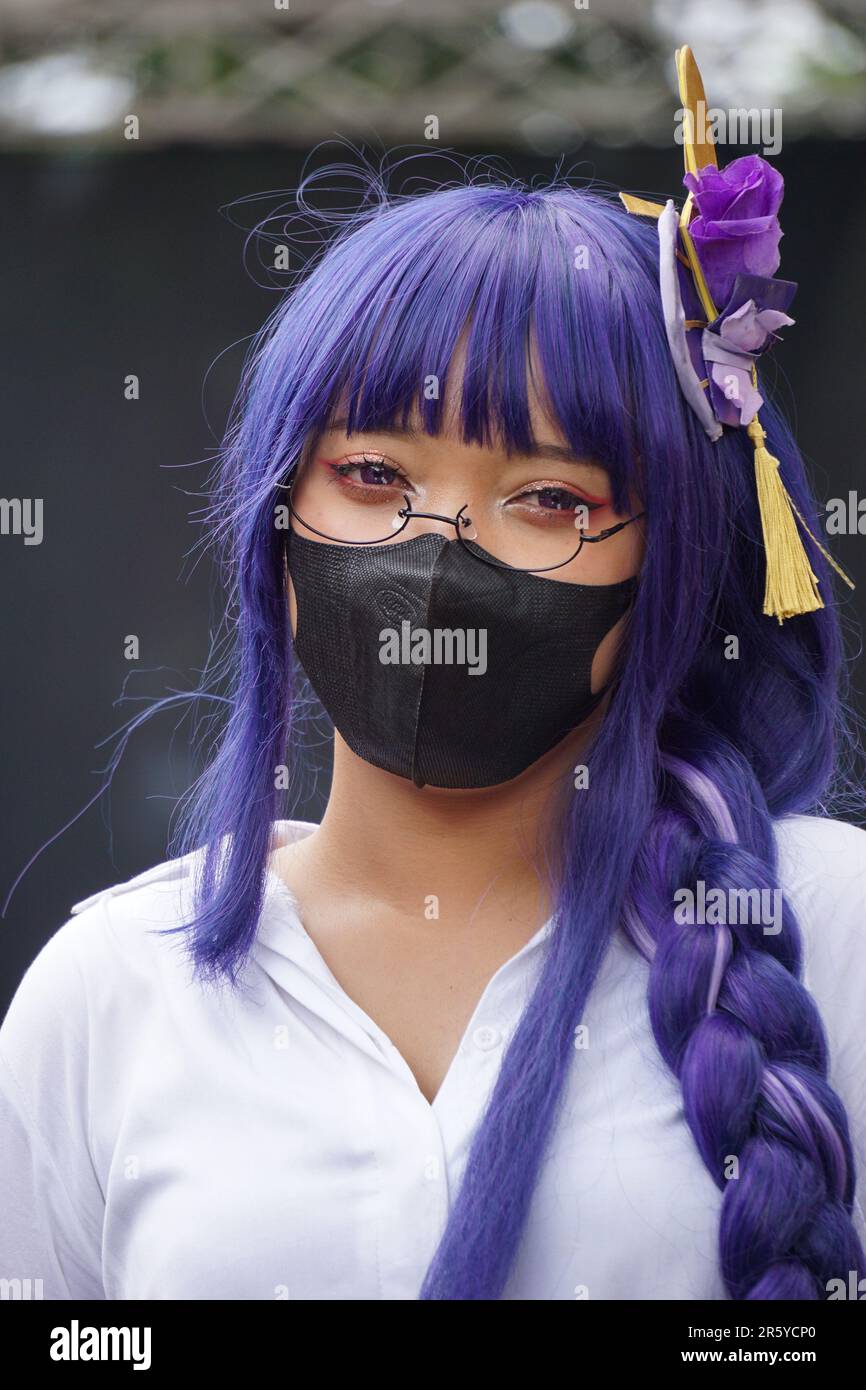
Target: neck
(479,852)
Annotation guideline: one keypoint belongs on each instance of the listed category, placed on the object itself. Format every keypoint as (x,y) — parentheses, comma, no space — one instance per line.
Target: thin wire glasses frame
(461,524)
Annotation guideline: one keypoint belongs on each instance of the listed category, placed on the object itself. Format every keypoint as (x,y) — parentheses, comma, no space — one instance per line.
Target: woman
(463,1040)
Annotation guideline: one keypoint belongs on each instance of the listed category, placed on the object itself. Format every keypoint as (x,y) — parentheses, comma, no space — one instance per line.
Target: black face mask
(437,718)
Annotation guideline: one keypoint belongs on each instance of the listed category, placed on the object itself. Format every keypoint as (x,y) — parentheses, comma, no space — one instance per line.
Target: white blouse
(160,1140)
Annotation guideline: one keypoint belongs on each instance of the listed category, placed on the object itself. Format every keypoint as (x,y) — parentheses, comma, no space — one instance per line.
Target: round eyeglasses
(544,537)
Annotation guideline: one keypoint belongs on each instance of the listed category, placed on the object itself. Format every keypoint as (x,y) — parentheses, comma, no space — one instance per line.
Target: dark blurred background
(115,260)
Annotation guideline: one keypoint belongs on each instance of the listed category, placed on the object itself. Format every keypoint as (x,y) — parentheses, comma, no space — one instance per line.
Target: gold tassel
(791,586)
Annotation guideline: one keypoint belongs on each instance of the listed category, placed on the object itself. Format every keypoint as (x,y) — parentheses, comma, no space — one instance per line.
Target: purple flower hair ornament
(736,237)
(722,249)
(732,344)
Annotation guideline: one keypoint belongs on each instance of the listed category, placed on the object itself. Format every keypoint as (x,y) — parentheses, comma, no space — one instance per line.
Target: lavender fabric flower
(736,231)
(730,346)
(749,328)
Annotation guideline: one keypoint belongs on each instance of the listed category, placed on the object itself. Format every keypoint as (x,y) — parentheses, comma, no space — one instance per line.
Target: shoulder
(113,942)
(122,952)
(818,853)
(822,870)
(822,874)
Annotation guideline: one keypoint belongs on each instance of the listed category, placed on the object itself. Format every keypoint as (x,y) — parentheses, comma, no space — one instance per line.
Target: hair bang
(487,318)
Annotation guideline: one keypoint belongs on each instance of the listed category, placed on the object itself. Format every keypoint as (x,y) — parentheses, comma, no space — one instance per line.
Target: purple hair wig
(695,757)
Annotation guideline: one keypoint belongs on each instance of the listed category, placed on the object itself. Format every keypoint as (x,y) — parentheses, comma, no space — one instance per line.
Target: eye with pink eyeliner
(374,465)
(558,501)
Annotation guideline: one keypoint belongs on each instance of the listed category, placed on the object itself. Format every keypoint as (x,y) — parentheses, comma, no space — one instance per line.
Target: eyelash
(342,470)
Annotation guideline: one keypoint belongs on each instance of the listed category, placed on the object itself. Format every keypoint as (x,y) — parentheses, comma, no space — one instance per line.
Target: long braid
(745,1039)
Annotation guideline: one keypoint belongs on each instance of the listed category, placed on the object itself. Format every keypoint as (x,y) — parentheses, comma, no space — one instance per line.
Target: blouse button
(486,1037)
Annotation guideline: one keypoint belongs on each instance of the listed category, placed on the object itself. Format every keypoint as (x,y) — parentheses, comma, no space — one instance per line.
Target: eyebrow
(558,453)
